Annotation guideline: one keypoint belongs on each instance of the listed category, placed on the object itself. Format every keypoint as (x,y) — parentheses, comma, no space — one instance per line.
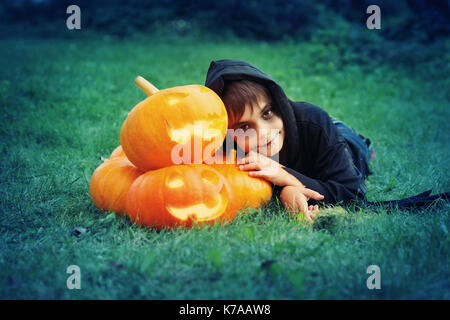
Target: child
(297,146)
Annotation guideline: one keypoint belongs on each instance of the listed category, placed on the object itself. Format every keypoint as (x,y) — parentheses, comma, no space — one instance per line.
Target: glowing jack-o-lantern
(191,119)
(110,183)
(180,195)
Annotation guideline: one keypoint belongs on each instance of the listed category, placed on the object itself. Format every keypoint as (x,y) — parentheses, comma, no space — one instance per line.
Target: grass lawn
(63,102)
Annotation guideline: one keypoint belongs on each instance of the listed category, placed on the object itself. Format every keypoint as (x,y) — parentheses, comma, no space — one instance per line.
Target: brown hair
(237,94)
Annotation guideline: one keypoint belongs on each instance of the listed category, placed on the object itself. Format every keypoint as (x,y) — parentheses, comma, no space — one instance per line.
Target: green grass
(63,102)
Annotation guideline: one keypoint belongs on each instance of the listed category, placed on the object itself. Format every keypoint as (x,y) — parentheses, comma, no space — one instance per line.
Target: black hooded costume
(313,149)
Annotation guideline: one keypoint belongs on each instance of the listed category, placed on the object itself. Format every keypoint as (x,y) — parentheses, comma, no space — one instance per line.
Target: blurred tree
(433,16)
(261,19)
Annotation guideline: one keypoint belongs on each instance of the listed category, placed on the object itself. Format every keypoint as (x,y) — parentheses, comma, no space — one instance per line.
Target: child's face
(259,129)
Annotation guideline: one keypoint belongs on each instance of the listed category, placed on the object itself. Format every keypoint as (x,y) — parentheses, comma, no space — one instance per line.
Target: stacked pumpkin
(147,178)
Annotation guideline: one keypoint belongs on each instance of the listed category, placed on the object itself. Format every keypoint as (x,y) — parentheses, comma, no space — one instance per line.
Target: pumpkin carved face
(110,183)
(189,118)
(179,195)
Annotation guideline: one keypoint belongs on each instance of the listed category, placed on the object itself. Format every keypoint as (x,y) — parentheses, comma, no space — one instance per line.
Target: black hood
(221,71)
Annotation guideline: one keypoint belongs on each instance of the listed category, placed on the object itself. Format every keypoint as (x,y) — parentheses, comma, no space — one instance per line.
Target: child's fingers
(245,160)
(313,212)
(302,204)
(313,194)
(250,166)
(252,156)
(260,174)
(312,215)
(308,217)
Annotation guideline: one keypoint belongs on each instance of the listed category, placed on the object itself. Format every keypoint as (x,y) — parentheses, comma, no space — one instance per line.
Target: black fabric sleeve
(333,191)
(331,170)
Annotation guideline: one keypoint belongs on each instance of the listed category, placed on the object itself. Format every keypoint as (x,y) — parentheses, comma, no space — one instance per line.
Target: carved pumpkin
(110,183)
(169,195)
(179,195)
(191,117)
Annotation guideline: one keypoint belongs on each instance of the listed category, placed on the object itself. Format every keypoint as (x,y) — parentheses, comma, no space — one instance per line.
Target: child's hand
(295,199)
(261,166)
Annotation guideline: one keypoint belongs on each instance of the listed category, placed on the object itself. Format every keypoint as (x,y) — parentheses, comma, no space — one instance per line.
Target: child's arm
(321,159)
(336,176)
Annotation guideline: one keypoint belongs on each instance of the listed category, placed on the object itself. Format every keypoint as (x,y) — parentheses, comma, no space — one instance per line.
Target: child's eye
(245,127)
(267,115)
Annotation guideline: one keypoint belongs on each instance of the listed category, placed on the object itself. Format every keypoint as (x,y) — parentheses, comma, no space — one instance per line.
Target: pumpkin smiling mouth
(200,212)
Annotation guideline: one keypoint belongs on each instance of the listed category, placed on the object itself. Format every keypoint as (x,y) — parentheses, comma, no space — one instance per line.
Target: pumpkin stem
(146,86)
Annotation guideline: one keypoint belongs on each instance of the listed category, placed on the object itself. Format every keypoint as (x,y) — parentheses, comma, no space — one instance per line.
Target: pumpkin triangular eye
(210,177)
(175,97)
(181,136)
(174,181)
